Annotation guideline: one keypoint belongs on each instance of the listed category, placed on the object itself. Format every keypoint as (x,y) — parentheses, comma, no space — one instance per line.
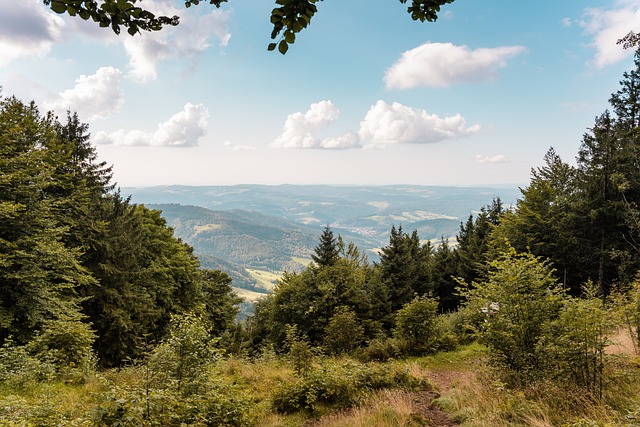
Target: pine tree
(327,251)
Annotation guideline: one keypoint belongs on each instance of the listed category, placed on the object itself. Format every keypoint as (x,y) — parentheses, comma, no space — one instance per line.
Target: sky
(365,96)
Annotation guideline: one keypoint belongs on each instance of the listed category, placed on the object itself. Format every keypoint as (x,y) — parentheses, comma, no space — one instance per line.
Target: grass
(266,279)
(468,391)
(302,261)
(248,295)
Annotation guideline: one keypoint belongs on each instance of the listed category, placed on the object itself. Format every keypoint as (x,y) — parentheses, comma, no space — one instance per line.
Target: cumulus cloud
(183,129)
(444,64)
(26,28)
(396,123)
(498,158)
(301,129)
(187,41)
(607,26)
(94,97)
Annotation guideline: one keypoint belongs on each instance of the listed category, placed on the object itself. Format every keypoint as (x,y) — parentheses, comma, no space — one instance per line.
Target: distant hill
(243,228)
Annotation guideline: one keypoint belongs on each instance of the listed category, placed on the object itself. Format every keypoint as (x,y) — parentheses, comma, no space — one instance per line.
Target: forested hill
(275,228)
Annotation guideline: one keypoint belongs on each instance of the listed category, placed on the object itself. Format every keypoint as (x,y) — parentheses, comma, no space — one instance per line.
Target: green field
(247,295)
(266,279)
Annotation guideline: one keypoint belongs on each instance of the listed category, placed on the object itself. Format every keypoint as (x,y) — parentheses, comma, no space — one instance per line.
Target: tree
(519,298)
(327,251)
(545,221)
(473,241)
(288,19)
(39,274)
(221,303)
(404,267)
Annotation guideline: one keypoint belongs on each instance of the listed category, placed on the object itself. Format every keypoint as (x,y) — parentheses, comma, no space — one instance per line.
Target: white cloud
(300,130)
(566,22)
(607,27)
(183,129)
(498,158)
(26,28)
(396,123)
(186,41)
(93,97)
(444,64)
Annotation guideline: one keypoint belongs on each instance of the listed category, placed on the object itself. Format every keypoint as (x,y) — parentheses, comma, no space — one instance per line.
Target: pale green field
(265,279)
(247,295)
(302,261)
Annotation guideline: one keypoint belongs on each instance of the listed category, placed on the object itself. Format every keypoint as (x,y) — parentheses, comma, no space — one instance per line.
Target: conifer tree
(327,251)
(39,275)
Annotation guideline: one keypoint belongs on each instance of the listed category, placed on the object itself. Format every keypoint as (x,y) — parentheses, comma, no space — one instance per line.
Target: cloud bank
(445,64)
(187,41)
(384,124)
(183,129)
(28,28)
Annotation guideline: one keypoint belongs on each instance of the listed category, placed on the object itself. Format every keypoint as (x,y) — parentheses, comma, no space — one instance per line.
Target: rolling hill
(251,231)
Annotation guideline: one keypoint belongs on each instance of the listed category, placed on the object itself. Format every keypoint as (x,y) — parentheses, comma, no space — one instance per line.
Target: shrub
(379,349)
(518,300)
(338,386)
(343,333)
(416,330)
(576,341)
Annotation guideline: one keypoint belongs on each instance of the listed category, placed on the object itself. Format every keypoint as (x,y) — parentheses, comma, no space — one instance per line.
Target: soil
(429,414)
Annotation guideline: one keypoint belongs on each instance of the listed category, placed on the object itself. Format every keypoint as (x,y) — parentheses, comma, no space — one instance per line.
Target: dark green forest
(96,286)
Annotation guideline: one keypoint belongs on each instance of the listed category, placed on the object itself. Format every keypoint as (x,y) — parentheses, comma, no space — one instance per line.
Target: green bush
(338,386)
(343,333)
(380,349)
(19,369)
(416,330)
(519,299)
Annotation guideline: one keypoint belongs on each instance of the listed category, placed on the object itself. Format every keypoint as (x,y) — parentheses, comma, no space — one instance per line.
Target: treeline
(575,232)
(83,271)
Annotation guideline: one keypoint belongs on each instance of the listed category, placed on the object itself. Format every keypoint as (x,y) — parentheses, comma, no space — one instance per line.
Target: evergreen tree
(404,267)
(327,251)
(39,275)
(545,221)
(473,241)
(444,277)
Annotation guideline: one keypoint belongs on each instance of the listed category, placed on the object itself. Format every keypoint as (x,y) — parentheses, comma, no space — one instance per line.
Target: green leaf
(289,37)
(283,47)
(271,46)
(58,6)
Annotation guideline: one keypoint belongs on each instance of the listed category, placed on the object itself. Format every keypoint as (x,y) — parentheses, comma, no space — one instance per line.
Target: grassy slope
(467,391)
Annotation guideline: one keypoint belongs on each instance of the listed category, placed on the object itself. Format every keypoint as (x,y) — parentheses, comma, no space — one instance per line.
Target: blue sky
(364,96)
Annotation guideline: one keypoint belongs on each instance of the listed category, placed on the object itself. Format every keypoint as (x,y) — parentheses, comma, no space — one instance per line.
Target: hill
(245,228)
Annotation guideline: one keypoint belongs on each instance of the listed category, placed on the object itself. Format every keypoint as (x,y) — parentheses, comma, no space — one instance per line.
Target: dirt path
(430,414)
(412,409)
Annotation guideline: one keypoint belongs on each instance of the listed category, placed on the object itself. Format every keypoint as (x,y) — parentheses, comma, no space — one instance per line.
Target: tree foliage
(289,17)
(79,261)
(518,299)
(327,251)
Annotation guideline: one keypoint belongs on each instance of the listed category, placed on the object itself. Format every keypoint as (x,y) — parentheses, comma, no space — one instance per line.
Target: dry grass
(386,408)
(623,343)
